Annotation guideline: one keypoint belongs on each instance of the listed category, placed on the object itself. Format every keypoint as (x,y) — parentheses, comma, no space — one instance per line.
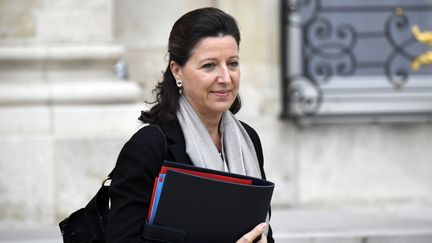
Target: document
(208,205)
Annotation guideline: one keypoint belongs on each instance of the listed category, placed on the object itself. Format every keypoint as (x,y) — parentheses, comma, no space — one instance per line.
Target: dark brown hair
(186,32)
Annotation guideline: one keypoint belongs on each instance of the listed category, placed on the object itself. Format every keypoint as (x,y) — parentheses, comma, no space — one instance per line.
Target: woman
(195,103)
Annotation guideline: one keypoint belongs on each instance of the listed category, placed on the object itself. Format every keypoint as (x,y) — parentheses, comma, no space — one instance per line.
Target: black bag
(88,224)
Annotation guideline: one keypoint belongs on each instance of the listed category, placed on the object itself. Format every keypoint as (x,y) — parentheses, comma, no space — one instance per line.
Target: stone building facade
(65,112)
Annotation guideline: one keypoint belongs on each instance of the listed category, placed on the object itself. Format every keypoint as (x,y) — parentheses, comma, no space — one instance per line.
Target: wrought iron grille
(356,59)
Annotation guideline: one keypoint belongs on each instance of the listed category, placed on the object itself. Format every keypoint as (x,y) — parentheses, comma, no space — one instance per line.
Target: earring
(179,85)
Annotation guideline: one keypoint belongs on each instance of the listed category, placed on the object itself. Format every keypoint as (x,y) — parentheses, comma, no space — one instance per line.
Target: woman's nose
(224,75)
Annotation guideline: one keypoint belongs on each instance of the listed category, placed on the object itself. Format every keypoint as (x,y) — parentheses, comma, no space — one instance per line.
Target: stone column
(64,114)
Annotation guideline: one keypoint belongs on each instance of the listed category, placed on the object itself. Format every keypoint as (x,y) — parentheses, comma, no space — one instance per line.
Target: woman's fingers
(253,234)
(263,239)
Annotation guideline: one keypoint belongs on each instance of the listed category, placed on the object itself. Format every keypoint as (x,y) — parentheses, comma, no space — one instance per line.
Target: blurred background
(340,93)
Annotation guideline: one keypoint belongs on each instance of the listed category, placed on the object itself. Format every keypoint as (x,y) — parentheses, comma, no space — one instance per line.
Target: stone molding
(79,92)
(53,52)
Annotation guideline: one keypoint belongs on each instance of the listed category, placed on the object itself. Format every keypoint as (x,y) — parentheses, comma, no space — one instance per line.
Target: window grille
(358,60)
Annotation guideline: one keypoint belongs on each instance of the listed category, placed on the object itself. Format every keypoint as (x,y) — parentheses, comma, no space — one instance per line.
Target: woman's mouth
(221,93)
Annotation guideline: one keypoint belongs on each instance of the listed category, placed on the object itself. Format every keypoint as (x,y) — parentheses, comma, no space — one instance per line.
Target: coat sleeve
(132,182)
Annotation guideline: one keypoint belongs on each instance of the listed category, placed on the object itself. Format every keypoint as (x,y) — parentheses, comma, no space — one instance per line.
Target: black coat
(137,166)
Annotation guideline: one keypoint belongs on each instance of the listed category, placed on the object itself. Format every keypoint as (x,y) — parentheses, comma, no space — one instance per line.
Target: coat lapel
(176,142)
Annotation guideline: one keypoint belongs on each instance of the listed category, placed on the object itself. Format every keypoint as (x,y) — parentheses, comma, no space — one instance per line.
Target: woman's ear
(175,70)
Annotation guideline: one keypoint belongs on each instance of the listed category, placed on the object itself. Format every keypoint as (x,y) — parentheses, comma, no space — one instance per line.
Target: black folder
(211,210)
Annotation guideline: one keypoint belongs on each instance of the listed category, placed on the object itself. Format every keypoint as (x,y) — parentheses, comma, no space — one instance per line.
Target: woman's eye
(234,64)
(209,66)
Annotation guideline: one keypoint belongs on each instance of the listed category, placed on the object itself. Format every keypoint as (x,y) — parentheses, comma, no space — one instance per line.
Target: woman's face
(211,75)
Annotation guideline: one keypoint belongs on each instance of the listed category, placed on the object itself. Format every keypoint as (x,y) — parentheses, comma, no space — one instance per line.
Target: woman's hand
(255,233)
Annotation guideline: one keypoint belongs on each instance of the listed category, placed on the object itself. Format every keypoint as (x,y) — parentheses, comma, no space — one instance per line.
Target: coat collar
(175,141)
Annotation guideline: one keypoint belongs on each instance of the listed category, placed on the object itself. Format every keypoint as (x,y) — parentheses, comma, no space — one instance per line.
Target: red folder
(225,178)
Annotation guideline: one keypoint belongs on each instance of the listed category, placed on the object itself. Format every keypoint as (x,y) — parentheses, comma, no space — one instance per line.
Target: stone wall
(64,113)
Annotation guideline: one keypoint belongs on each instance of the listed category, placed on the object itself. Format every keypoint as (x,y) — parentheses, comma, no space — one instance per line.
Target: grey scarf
(237,147)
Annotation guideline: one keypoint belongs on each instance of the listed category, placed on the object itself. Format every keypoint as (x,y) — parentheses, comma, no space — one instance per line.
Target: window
(360,61)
